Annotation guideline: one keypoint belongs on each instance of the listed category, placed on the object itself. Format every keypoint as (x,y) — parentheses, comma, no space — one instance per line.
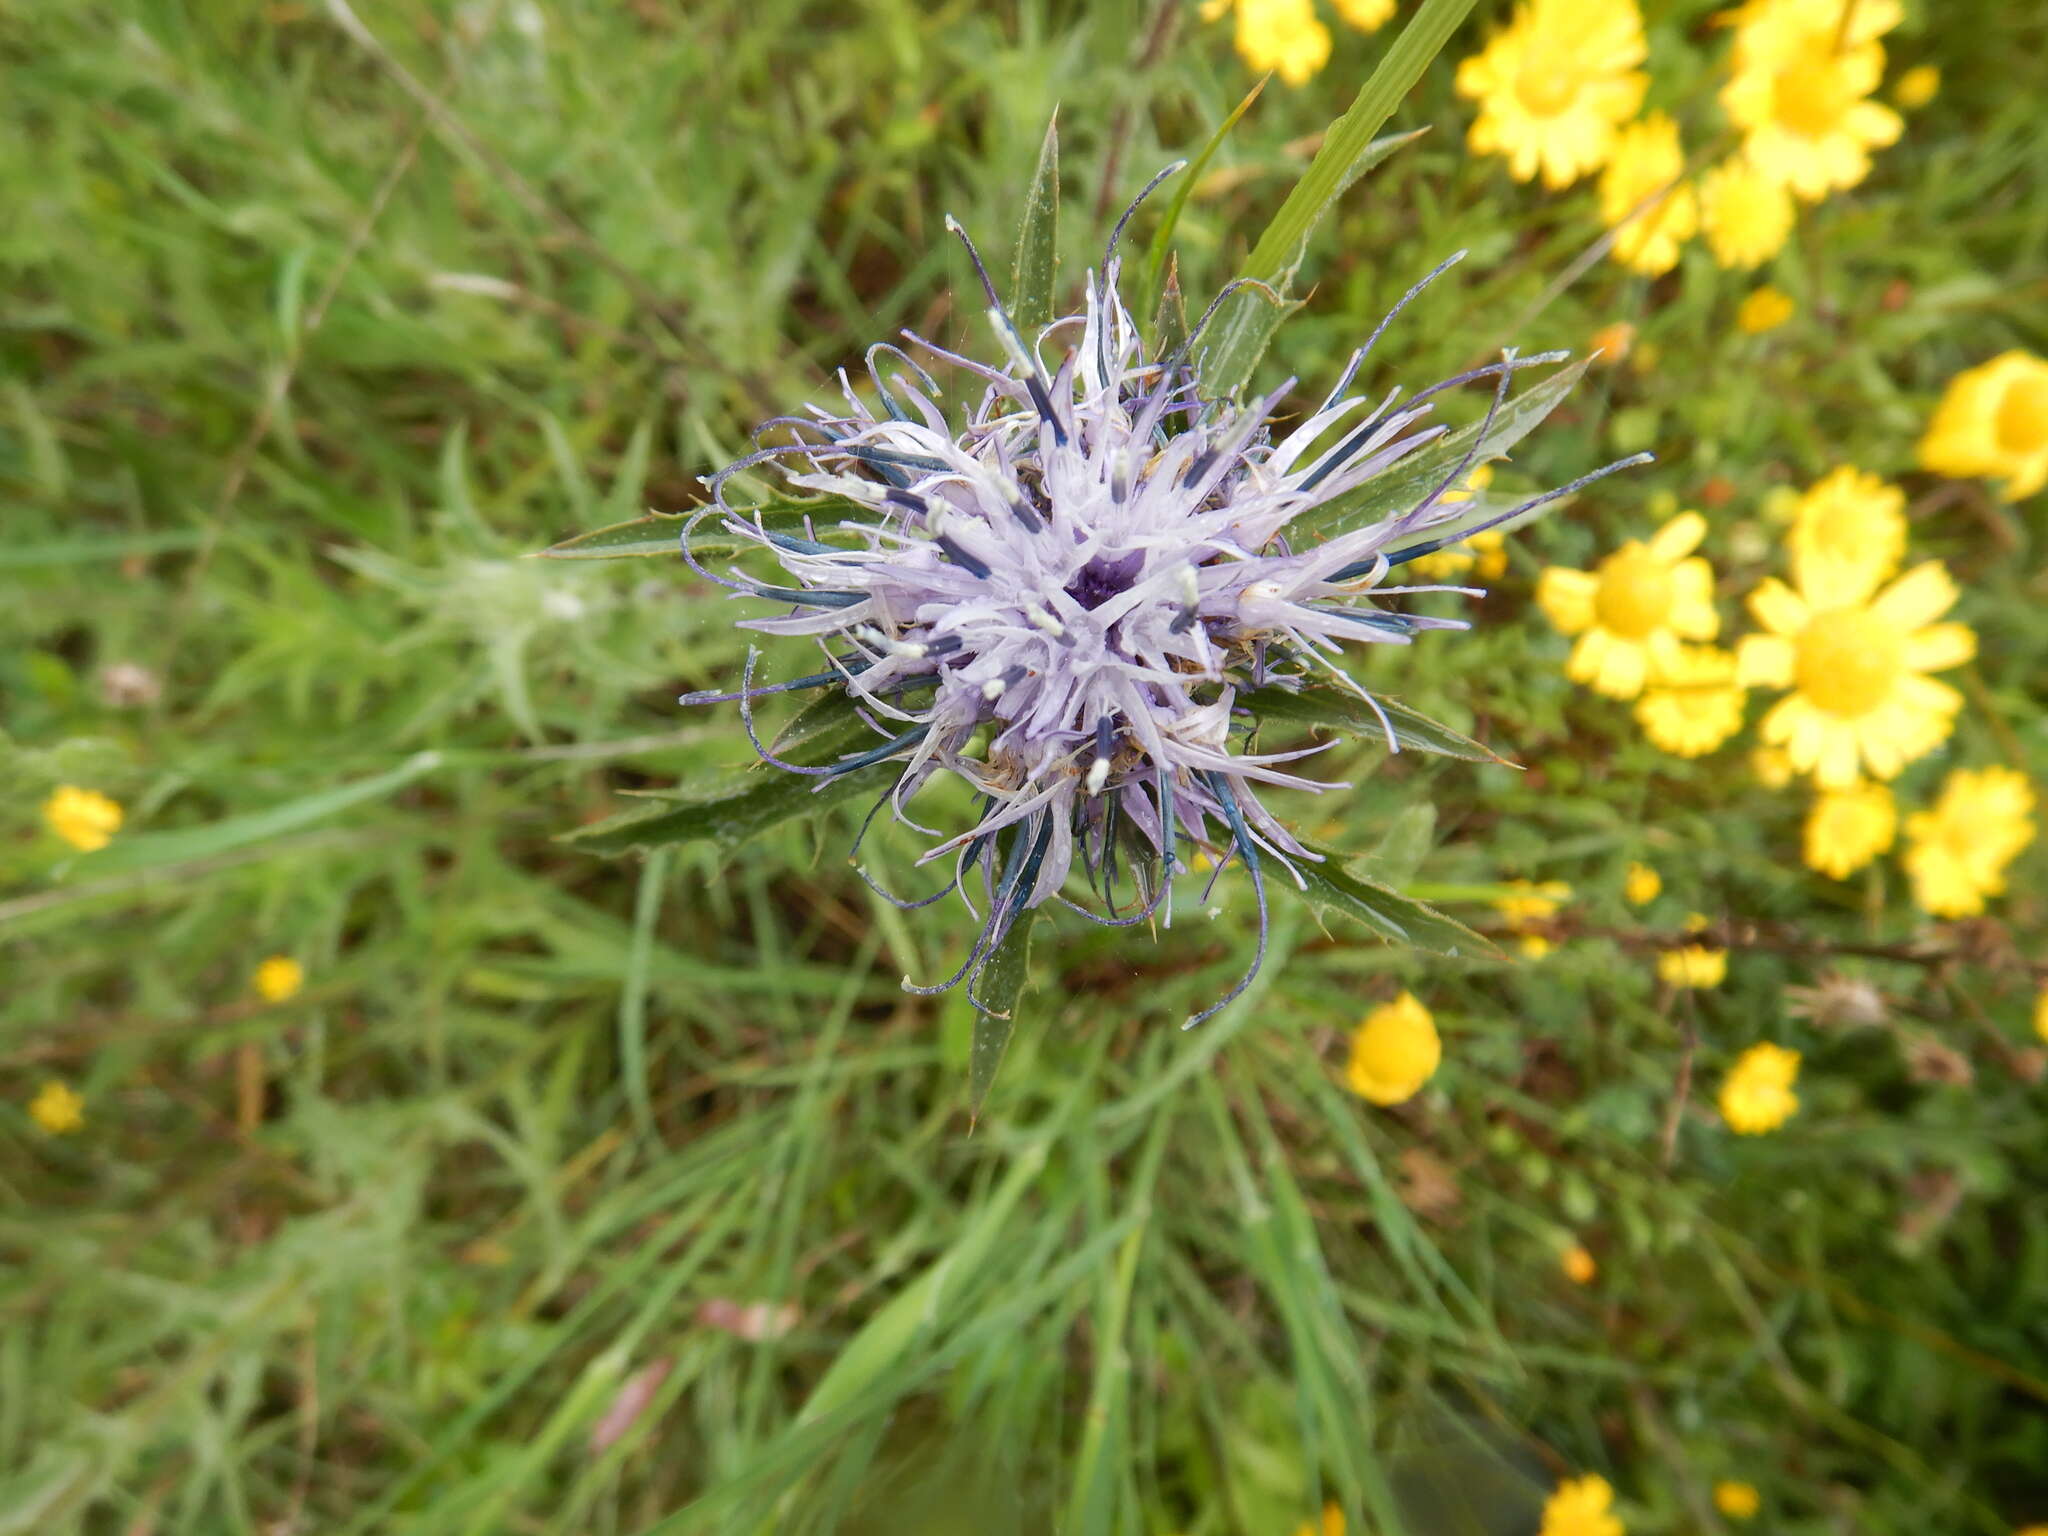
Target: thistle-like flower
(1062,591)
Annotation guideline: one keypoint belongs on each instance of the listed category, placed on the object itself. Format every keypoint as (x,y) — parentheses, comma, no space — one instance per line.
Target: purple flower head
(1060,594)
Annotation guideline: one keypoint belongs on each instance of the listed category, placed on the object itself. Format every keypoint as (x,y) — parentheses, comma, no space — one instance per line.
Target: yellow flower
(1475,482)
(1744,214)
(1763,309)
(1643,201)
(1738,1501)
(1917,87)
(1444,565)
(1847,828)
(1612,342)
(1692,703)
(1642,885)
(1756,1095)
(1799,89)
(1852,519)
(1579,1266)
(1554,84)
(279,978)
(1581,1506)
(1856,661)
(1367,16)
(1631,611)
(84,818)
(1282,36)
(1694,966)
(1993,421)
(2041,1015)
(1534,946)
(57,1108)
(1773,769)
(1529,902)
(1333,1517)
(1780,503)
(1957,852)
(1491,549)
(1394,1052)
(1485,554)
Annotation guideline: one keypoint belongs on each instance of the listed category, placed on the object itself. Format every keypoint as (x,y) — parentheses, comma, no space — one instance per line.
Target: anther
(959,556)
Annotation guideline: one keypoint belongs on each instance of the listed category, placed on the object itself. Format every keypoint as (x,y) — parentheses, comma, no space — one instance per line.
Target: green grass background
(314,329)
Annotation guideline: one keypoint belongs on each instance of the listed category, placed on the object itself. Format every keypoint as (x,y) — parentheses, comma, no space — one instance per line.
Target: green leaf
(1351,136)
(1001,980)
(728,816)
(1037,263)
(1327,704)
(660,533)
(655,534)
(1237,337)
(1414,477)
(827,719)
(1155,257)
(1403,919)
(1170,318)
(149,850)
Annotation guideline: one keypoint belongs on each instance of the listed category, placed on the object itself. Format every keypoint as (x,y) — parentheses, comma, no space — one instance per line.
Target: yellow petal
(1679,537)
(1692,600)
(1940,646)
(1609,664)
(1827,583)
(1917,598)
(1566,598)
(1840,753)
(1779,609)
(1765,661)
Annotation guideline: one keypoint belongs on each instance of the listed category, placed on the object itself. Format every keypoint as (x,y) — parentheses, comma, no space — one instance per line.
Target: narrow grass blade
(1238,336)
(633,996)
(916,1309)
(1406,842)
(1237,342)
(151,850)
(1104,1458)
(1155,256)
(120,546)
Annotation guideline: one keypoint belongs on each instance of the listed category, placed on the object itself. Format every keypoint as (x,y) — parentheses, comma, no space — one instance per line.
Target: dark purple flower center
(1105,577)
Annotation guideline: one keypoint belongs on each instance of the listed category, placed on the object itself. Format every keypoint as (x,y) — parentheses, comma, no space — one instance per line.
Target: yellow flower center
(1811,96)
(1634,596)
(1848,662)
(1545,83)
(2023,416)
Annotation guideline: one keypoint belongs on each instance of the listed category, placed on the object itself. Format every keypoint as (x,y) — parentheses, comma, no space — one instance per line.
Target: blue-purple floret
(1061,598)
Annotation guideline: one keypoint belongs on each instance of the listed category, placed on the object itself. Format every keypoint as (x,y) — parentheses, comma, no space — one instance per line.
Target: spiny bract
(1061,596)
